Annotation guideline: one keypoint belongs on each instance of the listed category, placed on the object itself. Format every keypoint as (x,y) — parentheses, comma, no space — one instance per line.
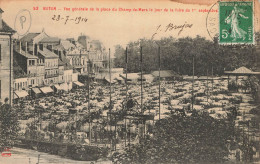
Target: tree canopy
(9,125)
(176,55)
(183,139)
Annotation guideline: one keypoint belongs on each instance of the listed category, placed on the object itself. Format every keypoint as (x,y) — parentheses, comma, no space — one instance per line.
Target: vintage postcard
(172,81)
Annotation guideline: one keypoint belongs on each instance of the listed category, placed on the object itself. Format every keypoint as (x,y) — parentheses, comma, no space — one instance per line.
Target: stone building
(6,61)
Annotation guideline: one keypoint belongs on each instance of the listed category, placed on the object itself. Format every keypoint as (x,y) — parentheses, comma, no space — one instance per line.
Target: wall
(68,76)
(32,67)
(20,83)
(6,86)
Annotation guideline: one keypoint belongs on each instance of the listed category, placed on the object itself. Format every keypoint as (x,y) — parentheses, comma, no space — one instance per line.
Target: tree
(176,55)
(183,139)
(9,125)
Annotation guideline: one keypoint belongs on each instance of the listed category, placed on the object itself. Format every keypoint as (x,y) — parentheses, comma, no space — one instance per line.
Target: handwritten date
(67,19)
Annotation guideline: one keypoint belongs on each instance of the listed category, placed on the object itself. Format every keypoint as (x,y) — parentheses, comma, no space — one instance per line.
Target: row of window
(23,85)
(20,85)
(32,62)
(52,72)
(40,61)
(52,63)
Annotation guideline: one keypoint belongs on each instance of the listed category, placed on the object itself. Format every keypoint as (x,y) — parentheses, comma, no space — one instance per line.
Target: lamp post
(110,96)
(89,107)
(192,100)
(159,57)
(126,61)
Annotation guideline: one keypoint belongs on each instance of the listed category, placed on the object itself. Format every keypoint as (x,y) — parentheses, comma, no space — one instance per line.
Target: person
(113,142)
(233,20)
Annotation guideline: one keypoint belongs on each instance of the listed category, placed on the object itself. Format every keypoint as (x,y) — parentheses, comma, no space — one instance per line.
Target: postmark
(236,22)
(212,20)
(22,22)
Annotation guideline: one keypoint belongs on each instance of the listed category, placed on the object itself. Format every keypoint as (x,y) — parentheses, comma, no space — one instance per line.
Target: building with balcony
(50,65)
(28,63)
(77,56)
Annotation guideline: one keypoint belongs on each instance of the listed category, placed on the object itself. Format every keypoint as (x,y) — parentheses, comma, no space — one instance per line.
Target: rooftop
(130,76)
(50,40)
(29,37)
(164,73)
(47,53)
(58,47)
(241,71)
(61,63)
(67,44)
(27,55)
(6,28)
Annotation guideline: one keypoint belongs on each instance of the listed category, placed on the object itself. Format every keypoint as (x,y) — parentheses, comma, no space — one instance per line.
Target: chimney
(41,47)
(1,20)
(36,50)
(20,45)
(26,47)
(33,49)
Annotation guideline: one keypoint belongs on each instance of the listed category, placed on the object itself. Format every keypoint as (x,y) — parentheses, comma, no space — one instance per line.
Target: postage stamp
(236,23)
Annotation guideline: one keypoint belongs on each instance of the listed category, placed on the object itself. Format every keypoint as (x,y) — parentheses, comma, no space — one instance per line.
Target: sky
(115,27)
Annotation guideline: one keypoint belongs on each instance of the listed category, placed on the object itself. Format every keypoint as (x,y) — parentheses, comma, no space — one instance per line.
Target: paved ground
(25,156)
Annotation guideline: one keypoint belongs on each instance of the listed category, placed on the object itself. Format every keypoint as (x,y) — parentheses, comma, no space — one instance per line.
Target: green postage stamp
(236,22)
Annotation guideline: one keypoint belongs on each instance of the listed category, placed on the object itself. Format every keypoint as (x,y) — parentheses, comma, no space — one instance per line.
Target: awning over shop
(78,83)
(58,87)
(36,90)
(21,93)
(64,86)
(46,90)
(108,80)
(15,96)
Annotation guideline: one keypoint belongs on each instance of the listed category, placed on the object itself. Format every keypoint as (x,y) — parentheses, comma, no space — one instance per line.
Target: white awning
(15,96)
(64,86)
(46,89)
(58,87)
(36,90)
(78,83)
(21,93)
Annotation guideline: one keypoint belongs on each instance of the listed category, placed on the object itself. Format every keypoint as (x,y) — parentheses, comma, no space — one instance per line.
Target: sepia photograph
(129,82)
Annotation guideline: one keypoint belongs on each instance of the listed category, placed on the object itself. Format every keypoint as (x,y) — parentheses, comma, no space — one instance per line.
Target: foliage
(9,125)
(176,55)
(183,139)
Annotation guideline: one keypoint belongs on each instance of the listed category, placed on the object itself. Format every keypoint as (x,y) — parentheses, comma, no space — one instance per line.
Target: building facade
(6,61)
